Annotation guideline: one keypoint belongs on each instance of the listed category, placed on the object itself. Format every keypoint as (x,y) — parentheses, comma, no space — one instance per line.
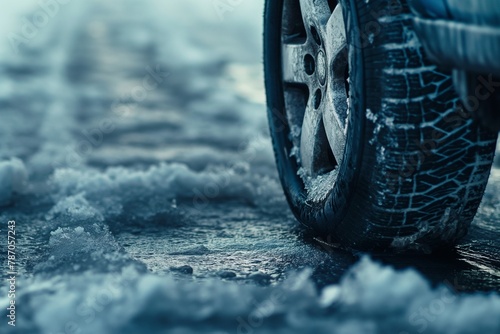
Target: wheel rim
(315,82)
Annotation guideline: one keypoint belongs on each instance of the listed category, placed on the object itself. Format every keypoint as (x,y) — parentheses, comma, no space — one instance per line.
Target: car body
(464,35)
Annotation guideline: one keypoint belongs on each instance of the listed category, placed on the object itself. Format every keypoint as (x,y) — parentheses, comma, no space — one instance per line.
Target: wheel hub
(314,67)
(322,67)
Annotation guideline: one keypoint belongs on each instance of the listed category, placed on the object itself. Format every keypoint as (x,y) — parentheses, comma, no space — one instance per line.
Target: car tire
(414,164)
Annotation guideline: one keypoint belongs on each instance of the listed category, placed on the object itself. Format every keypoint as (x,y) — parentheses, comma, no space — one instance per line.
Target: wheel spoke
(335,129)
(313,141)
(315,12)
(335,117)
(334,30)
(294,63)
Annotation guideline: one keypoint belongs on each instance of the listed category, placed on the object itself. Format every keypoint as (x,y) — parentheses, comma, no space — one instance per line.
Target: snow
(370,298)
(117,188)
(320,186)
(13,179)
(177,221)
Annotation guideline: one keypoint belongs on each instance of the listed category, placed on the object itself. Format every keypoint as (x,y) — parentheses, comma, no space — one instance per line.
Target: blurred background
(135,159)
(154,72)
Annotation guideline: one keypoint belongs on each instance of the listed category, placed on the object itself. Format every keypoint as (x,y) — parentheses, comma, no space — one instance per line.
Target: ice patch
(197,250)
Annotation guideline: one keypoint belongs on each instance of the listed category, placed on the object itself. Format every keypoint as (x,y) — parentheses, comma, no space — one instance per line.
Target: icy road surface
(135,161)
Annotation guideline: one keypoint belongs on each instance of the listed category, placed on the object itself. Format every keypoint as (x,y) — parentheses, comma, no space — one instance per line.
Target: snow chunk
(75,209)
(79,249)
(13,179)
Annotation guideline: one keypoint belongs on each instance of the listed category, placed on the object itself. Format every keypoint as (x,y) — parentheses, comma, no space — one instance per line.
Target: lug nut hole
(309,64)
(315,35)
(317,98)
